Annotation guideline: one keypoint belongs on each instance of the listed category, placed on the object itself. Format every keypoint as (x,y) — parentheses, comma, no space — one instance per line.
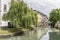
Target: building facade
(4,8)
(42,19)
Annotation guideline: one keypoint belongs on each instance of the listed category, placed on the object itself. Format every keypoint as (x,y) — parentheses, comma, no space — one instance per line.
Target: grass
(4,32)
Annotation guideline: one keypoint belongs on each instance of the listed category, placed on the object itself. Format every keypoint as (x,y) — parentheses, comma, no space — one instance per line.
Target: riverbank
(55,30)
(28,35)
(52,32)
(4,32)
(41,31)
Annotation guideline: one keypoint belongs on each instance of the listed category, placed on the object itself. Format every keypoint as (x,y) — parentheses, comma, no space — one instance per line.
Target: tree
(20,16)
(54,16)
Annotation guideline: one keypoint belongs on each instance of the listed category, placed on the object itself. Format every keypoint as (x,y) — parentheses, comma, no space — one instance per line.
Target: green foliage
(20,16)
(5,17)
(54,16)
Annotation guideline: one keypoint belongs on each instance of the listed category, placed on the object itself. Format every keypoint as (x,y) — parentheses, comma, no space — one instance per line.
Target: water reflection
(50,35)
(54,36)
(46,36)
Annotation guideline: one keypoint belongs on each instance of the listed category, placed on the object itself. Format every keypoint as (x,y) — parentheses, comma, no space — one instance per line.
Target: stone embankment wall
(41,31)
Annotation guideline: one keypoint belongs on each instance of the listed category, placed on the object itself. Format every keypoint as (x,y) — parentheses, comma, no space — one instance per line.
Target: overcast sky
(44,6)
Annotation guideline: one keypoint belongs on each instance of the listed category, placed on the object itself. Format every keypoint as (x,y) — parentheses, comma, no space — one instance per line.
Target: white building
(42,19)
(4,7)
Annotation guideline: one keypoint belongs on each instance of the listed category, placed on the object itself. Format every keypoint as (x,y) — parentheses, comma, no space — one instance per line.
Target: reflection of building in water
(4,7)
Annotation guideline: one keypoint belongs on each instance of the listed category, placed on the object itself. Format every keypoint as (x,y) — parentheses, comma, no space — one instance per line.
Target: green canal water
(51,35)
(54,36)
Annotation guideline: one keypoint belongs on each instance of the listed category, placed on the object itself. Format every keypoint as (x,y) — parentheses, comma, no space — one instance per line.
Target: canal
(52,34)
(39,34)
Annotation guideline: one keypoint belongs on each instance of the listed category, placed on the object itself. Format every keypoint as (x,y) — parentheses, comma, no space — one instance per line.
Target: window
(5,7)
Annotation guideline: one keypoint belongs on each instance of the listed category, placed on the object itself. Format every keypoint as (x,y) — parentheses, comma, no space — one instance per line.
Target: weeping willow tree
(20,16)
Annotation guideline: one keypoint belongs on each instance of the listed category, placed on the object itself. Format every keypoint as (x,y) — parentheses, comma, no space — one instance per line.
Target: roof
(40,13)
